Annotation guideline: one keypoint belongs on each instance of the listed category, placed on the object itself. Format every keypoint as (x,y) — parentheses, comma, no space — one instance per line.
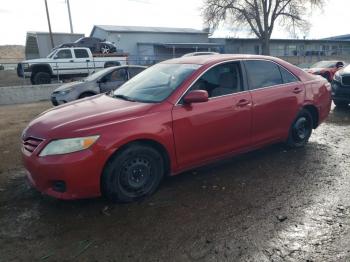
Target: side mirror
(196,96)
(55,57)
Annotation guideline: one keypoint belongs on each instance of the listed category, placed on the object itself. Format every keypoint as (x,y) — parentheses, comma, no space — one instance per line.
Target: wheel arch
(41,68)
(141,141)
(312,109)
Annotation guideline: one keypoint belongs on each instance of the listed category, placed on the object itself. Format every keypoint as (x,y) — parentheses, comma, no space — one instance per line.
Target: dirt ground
(269,205)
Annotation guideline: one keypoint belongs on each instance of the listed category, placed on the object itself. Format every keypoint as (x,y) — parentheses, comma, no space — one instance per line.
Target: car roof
(208,59)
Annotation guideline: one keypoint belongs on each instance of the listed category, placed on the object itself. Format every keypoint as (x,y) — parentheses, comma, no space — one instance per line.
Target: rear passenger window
(221,80)
(262,74)
(287,77)
(81,53)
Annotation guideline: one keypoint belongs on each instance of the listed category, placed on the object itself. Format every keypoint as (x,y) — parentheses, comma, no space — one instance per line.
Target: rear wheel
(41,78)
(340,103)
(133,173)
(301,129)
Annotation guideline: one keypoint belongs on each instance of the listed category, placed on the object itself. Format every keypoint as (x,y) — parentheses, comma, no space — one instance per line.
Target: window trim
(244,81)
(267,60)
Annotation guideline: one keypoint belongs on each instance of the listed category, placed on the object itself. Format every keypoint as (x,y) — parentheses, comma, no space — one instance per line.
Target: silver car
(100,82)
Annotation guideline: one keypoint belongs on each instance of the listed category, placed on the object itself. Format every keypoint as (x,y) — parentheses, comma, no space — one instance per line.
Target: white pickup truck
(66,63)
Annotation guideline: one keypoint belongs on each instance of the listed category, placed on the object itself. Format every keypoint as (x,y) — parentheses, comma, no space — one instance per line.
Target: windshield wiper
(127,98)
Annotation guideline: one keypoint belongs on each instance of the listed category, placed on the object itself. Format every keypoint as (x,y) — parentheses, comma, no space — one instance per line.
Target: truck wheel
(340,103)
(41,78)
(133,173)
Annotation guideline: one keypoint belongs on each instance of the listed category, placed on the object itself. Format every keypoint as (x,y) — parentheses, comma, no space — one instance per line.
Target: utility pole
(70,18)
(48,21)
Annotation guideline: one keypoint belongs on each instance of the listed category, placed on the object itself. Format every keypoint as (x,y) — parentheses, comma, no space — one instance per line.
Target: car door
(277,97)
(204,131)
(113,80)
(63,62)
(82,63)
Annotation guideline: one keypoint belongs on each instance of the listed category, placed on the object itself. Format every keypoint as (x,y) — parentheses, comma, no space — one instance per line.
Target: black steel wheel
(301,129)
(133,173)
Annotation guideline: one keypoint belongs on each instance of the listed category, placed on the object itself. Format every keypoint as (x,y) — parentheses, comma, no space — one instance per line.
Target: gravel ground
(268,205)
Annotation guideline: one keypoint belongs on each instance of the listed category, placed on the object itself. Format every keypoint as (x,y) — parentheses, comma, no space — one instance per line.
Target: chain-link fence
(60,70)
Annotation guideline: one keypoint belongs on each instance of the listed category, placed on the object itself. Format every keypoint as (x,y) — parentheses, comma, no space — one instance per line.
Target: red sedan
(174,116)
(326,69)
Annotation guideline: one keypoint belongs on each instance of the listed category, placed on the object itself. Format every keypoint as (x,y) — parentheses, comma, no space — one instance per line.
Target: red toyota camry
(174,116)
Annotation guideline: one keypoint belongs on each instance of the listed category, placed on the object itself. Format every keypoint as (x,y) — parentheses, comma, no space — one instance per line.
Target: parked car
(200,53)
(172,117)
(327,69)
(96,45)
(341,87)
(103,81)
(66,63)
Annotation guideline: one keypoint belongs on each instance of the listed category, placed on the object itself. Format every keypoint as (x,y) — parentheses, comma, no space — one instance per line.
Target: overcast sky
(19,16)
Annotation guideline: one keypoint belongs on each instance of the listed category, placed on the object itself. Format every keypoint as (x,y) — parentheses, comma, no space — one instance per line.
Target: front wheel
(41,78)
(301,129)
(133,173)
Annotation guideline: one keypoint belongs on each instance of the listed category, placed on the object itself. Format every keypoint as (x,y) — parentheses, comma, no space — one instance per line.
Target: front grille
(31,143)
(346,80)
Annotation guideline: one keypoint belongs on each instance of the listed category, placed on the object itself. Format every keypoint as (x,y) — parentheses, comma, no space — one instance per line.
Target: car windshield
(97,75)
(51,54)
(156,83)
(324,64)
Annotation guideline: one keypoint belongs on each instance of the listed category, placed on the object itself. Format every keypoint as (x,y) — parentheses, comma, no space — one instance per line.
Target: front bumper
(340,92)
(78,172)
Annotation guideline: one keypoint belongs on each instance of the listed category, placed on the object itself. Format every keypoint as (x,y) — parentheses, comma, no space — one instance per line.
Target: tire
(301,129)
(132,174)
(340,103)
(41,78)
(86,94)
(105,49)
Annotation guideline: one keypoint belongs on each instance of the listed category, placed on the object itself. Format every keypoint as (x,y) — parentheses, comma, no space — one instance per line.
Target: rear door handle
(71,61)
(297,90)
(243,102)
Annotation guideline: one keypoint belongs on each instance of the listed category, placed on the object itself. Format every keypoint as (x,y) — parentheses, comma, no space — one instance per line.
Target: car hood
(69,86)
(315,70)
(84,117)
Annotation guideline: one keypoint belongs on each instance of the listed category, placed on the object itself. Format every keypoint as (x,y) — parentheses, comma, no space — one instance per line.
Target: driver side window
(117,75)
(221,80)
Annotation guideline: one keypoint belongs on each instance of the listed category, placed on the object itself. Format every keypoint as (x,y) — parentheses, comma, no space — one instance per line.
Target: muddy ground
(269,205)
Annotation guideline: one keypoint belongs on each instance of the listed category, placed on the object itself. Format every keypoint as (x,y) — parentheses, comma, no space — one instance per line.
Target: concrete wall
(26,94)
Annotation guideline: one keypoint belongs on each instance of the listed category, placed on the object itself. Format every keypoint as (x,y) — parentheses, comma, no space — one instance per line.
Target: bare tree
(260,16)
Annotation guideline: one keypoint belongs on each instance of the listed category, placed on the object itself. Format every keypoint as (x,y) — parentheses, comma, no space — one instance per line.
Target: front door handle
(297,90)
(243,102)
(71,61)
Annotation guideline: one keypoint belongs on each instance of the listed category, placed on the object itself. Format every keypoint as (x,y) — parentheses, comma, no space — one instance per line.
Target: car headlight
(69,145)
(64,92)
